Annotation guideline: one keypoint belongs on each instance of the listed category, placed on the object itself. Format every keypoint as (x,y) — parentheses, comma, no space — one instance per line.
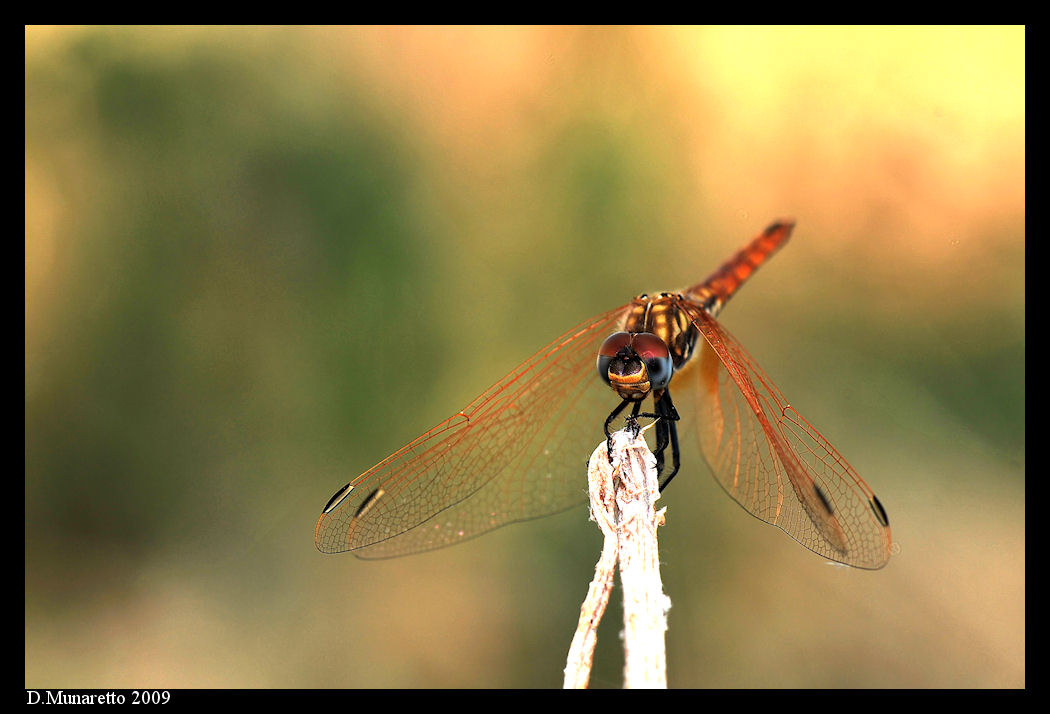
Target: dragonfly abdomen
(713,293)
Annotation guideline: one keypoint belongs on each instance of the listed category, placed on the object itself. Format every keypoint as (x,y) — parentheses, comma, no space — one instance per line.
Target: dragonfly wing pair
(519,451)
(774,463)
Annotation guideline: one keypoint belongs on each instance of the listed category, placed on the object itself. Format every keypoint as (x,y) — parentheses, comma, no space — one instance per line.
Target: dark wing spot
(880,512)
(337,498)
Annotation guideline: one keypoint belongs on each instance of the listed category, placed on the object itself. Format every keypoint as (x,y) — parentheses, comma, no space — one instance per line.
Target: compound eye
(653,353)
(611,349)
(614,343)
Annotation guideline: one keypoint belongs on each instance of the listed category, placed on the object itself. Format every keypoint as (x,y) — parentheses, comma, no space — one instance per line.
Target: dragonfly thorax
(662,315)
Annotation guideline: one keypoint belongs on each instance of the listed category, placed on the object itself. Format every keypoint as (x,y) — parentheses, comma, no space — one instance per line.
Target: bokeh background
(258,260)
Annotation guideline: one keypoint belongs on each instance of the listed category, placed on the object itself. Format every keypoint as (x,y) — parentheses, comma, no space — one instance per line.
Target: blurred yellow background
(258,260)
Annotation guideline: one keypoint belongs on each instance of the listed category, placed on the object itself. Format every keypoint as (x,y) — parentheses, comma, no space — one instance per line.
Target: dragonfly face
(635,364)
(517,451)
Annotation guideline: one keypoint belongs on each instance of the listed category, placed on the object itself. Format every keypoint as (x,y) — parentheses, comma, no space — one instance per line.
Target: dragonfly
(519,451)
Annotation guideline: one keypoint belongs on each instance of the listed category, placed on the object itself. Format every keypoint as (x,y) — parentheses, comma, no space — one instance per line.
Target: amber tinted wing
(518,451)
(777,466)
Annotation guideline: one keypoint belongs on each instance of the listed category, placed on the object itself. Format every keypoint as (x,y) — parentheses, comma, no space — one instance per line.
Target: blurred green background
(258,260)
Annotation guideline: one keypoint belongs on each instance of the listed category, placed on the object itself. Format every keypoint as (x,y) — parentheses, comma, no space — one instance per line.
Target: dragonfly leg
(667,433)
(633,419)
(670,419)
(666,417)
(615,413)
(662,438)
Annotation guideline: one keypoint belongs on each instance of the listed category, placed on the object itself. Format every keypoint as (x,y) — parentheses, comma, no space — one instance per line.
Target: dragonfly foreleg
(615,413)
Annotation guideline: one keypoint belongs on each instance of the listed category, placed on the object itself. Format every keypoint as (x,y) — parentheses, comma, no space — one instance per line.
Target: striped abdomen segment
(721,284)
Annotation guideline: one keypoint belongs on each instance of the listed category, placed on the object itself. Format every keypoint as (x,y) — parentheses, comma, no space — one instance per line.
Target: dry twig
(623,495)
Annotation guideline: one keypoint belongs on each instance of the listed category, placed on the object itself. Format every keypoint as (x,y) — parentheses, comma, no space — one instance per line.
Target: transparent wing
(518,451)
(773,462)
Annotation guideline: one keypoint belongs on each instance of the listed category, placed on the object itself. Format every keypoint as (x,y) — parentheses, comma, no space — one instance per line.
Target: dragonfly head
(635,364)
